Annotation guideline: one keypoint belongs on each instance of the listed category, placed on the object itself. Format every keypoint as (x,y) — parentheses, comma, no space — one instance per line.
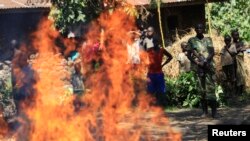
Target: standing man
(239,62)
(156,82)
(201,55)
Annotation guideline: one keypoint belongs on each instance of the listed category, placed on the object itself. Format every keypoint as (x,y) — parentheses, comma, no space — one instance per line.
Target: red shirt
(155,60)
(92,51)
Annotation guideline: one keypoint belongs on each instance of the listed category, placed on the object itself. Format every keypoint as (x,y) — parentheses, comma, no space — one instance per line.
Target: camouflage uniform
(6,98)
(206,77)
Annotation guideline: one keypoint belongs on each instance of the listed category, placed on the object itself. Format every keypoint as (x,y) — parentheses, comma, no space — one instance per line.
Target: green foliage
(183,91)
(5,89)
(226,16)
(220,95)
(153,3)
(68,12)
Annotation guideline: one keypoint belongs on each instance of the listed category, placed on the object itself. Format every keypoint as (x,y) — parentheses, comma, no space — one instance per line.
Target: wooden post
(160,23)
(209,19)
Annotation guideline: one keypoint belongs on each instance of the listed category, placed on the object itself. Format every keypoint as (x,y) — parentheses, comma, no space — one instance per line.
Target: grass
(175,108)
(171,108)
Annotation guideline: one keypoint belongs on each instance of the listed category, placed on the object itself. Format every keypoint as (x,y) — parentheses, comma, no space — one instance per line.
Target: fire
(108,112)
(3,129)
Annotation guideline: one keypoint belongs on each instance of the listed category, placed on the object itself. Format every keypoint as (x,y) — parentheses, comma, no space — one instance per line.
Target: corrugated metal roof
(146,2)
(14,4)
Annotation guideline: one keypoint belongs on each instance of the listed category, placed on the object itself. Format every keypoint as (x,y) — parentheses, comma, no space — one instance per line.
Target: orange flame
(108,112)
(4,127)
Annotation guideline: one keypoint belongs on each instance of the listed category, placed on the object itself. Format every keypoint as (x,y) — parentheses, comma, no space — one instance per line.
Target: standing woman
(239,61)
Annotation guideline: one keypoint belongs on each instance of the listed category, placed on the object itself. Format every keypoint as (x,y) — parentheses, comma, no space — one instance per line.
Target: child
(134,49)
(184,62)
(227,62)
(240,71)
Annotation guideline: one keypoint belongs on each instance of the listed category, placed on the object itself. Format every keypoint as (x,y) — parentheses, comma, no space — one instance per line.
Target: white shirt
(148,43)
(134,52)
(184,63)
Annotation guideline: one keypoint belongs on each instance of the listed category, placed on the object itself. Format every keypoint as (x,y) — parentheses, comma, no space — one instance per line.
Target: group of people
(232,61)
(17,79)
(149,43)
(197,56)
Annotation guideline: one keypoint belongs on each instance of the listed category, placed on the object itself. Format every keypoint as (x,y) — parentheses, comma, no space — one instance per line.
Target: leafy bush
(183,91)
(226,16)
(68,12)
(5,90)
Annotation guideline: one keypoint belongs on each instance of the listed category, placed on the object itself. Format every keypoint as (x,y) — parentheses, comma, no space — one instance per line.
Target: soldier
(201,55)
(6,98)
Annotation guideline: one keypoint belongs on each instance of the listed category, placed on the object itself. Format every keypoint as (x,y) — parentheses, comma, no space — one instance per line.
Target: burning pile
(108,112)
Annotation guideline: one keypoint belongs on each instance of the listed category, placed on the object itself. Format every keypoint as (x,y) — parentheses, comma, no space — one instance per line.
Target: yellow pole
(209,19)
(159,14)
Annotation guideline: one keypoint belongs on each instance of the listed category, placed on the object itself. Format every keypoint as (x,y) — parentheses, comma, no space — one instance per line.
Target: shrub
(183,91)
(230,15)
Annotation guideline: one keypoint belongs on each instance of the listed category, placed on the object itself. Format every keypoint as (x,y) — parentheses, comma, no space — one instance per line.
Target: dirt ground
(188,121)
(194,128)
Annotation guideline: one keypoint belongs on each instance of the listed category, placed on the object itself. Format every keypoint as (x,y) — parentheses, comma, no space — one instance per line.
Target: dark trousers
(230,82)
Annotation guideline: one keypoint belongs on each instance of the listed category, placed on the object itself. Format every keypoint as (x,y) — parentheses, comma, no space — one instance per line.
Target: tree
(68,12)
(226,16)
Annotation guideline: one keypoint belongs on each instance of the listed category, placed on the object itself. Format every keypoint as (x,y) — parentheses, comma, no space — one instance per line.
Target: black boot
(204,108)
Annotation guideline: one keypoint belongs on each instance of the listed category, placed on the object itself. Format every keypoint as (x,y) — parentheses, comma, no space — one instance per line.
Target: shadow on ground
(193,127)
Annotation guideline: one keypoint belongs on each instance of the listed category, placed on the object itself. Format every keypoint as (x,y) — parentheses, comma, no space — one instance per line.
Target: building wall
(17,25)
(180,18)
